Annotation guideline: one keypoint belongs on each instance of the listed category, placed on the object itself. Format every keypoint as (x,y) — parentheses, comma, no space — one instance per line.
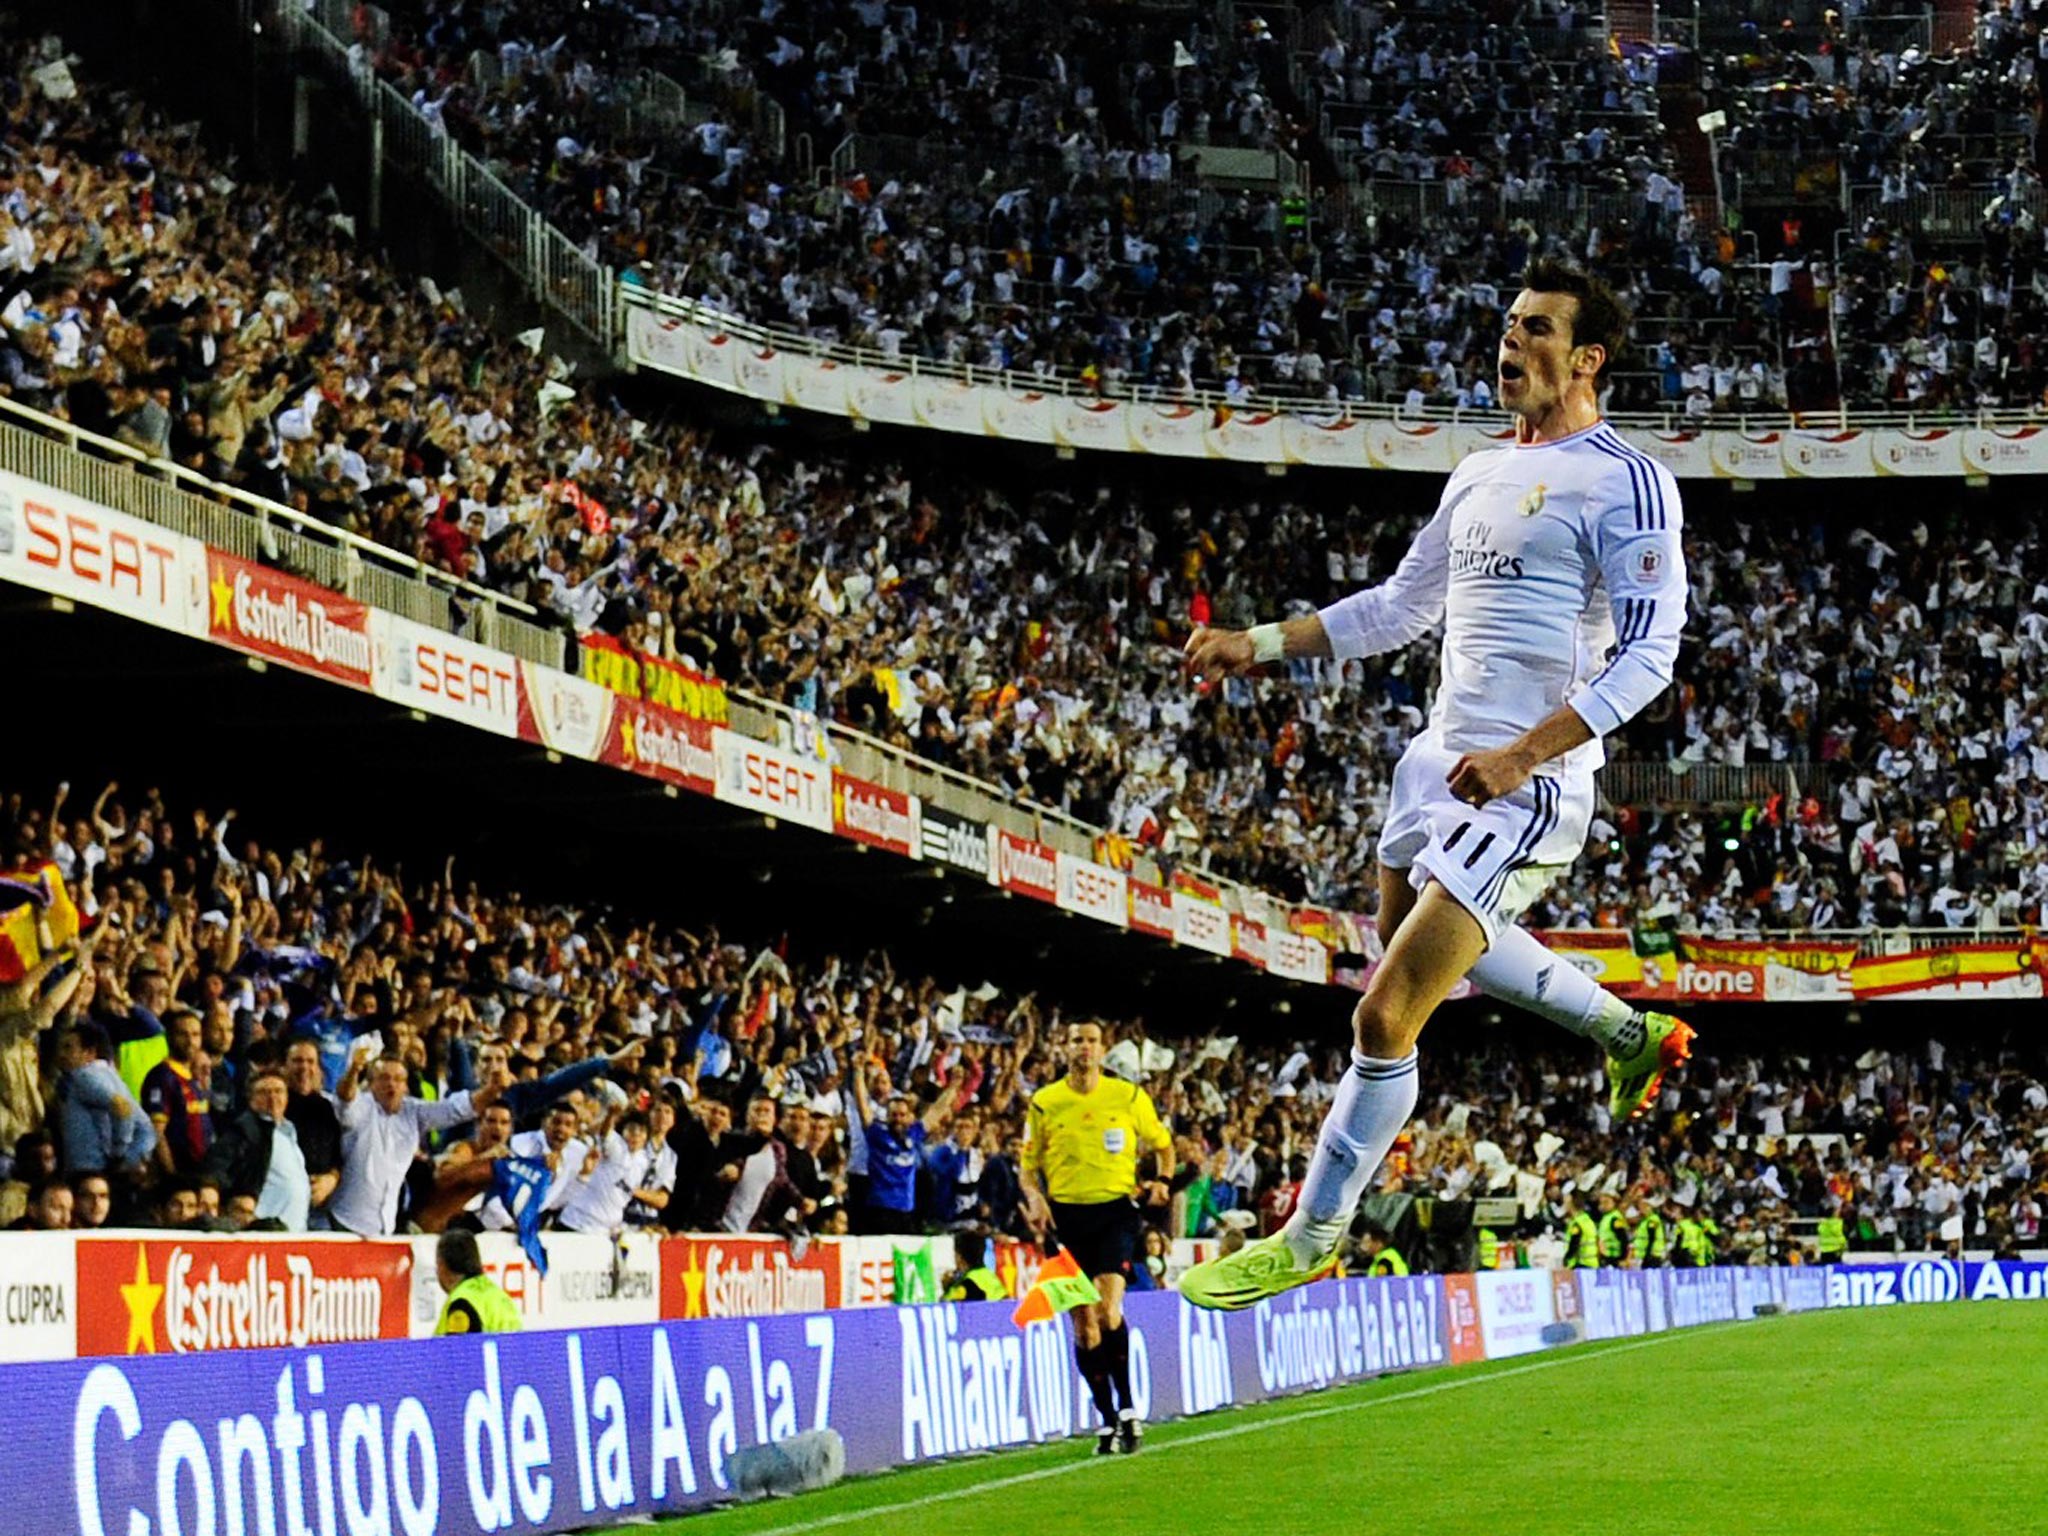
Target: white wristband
(1268,644)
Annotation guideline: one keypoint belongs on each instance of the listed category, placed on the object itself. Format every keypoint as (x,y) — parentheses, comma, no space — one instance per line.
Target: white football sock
(1372,1106)
(1520,970)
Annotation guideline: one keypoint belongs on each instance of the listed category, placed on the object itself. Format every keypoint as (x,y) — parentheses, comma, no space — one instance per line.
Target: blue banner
(2006,1280)
(555,1431)
(544,1432)
(1893,1284)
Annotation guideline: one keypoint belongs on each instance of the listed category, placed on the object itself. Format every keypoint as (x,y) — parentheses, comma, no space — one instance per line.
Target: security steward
(1381,1256)
(1831,1235)
(1486,1249)
(973,1280)
(1079,1173)
(1613,1230)
(1692,1248)
(476,1303)
(1646,1246)
(1581,1237)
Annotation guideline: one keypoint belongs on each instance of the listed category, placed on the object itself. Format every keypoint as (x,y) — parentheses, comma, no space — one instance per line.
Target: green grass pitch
(1851,1423)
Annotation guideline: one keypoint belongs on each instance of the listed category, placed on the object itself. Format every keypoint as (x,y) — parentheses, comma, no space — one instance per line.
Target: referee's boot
(1130,1432)
(1106,1440)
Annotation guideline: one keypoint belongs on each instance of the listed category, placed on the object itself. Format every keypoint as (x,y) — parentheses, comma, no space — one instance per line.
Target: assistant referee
(1081,1141)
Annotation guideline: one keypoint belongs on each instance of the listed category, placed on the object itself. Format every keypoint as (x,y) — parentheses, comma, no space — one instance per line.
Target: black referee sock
(1094,1364)
(1116,1352)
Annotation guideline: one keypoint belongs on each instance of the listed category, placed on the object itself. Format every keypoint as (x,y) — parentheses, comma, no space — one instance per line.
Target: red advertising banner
(637,675)
(1676,981)
(648,740)
(162,1296)
(746,1277)
(281,618)
(1151,909)
(1564,1285)
(1025,866)
(868,813)
(1461,1316)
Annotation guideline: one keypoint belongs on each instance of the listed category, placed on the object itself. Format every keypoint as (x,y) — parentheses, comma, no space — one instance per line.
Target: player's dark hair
(1602,319)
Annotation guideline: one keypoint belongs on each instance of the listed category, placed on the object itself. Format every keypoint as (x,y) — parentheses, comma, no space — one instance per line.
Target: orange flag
(1060,1287)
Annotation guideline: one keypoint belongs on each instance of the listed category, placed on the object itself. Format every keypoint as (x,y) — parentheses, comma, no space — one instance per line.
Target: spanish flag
(19,950)
(1060,1287)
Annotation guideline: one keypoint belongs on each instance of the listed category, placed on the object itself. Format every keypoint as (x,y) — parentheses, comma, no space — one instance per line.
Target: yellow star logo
(141,1299)
(693,1286)
(223,601)
(626,739)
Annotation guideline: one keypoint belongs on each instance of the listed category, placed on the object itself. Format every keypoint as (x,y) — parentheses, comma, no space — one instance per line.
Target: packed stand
(1015,200)
(232,1035)
(1030,640)
(1016,204)
(1898,662)
(1934,298)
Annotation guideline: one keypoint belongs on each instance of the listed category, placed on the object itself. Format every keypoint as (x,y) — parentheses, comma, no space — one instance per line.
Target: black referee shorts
(1104,1238)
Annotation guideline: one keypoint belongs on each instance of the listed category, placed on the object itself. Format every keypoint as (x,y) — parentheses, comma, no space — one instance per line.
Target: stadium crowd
(250,1034)
(1029,640)
(1947,316)
(1013,195)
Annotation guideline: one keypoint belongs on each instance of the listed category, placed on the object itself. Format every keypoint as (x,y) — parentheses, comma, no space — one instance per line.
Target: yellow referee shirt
(1084,1147)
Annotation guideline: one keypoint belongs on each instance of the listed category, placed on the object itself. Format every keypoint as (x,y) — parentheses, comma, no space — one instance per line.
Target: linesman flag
(1060,1287)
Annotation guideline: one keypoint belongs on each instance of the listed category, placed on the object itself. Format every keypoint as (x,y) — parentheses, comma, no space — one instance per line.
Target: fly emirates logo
(1473,554)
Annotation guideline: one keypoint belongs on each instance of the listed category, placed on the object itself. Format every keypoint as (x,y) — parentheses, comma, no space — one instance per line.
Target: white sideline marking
(1207,1437)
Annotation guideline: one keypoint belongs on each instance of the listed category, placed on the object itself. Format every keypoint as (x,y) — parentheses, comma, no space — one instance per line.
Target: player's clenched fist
(1478,777)
(1218,653)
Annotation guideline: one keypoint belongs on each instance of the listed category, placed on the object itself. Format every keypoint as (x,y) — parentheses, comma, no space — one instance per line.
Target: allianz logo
(1923,1280)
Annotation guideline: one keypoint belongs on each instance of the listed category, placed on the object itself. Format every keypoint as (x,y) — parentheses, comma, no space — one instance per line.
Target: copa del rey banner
(695,343)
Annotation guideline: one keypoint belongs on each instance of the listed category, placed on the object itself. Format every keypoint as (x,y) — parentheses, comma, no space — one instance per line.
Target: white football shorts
(1495,859)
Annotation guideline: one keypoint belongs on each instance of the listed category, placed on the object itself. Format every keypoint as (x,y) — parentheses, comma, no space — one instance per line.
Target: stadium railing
(1950,212)
(634,294)
(555,269)
(1635,781)
(99,469)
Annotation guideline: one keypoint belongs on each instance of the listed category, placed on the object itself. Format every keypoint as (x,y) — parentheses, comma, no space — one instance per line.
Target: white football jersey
(1557,573)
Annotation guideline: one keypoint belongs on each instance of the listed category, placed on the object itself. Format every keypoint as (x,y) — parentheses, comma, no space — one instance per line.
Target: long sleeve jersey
(1557,573)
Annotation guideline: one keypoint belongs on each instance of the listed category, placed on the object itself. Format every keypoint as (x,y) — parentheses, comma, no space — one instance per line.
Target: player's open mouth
(1510,373)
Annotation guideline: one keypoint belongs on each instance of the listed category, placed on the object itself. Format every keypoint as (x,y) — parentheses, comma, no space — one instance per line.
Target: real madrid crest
(1533,502)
